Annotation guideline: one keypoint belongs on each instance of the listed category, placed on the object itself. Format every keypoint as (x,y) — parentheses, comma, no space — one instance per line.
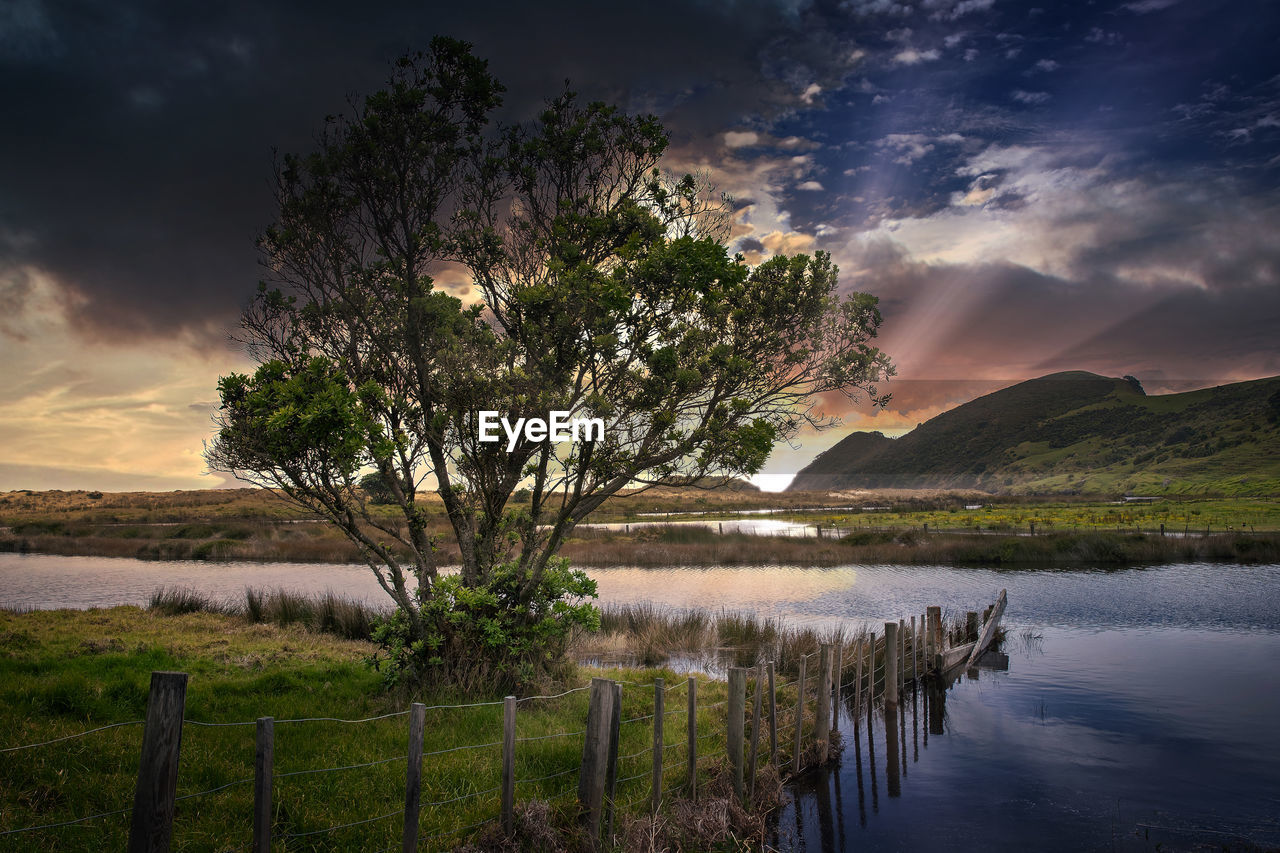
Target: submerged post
(857,684)
(915,653)
(935,637)
(822,724)
(839,679)
(795,756)
(891,663)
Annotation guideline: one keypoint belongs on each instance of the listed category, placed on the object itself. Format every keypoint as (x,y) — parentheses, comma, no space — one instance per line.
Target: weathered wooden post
(971,625)
(914,655)
(935,637)
(737,714)
(839,679)
(1162,530)
(891,663)
(593,772)
(1033,528)
(755,729)
(263,768)
(413,777)
(822,724)
(901,655)
(692,781)
(795,757)
(611,778)
(924,640)
(773,718)
(871,671)
(857,684)
(153,796)
(658,741)
(508,764)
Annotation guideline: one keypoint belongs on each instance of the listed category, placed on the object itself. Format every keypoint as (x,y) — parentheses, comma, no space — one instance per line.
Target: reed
(328,613)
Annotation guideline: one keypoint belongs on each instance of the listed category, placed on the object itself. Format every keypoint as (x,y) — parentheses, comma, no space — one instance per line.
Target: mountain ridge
(1074,432)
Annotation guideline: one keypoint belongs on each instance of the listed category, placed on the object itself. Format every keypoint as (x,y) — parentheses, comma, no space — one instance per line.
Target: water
(1138,712)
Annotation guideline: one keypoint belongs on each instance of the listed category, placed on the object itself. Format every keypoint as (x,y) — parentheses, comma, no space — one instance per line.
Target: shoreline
(693,548)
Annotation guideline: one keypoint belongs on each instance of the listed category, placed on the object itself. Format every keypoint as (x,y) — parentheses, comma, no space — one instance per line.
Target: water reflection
(1084,740)
(892,772)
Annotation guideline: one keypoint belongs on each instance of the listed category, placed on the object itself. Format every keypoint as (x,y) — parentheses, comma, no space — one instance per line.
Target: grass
(207,526)
(64,672)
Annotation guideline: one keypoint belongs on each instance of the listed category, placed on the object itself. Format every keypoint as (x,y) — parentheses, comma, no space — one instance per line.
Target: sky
(1028,187)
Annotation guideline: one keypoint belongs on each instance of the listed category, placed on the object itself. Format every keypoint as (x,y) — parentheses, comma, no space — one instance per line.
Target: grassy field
(65,672)
(255,525)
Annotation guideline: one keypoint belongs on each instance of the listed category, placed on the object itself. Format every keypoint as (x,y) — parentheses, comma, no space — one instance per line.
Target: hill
(1075,432)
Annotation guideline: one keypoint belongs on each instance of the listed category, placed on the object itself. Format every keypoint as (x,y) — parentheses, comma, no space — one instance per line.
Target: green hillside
(1076,432)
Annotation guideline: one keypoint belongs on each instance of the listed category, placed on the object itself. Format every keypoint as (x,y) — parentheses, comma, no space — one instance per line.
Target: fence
(628,754)
(525,761)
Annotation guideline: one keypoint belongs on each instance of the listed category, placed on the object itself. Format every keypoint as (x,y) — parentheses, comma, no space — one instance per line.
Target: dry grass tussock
(649,635)
(717,820)
(328,612)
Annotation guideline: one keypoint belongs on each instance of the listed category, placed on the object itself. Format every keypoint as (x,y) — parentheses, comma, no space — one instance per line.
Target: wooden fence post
(658,741)
(822,724)
(509,764)
(611,779)
(692,782)
(153,797)
(595,758)
(263,767)
(413,779)
(891,663)
(755,729)
(915,655)
(857,685)
(935,637)
(971,625)
(737,713)
(871,670)
(839,671)
(773,718)
(795,757)
(901,673)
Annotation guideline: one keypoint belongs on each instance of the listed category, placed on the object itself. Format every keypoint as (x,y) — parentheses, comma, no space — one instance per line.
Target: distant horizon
(16,478)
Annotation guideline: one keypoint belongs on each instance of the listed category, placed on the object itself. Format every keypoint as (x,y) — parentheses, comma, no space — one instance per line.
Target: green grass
(64,672)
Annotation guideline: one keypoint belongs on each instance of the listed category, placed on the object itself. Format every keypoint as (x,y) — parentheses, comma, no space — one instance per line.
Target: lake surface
(1140,709)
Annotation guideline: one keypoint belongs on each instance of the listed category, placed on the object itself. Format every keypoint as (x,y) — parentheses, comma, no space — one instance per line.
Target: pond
(1139,709)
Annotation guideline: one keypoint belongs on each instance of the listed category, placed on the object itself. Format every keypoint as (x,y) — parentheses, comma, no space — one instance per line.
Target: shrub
(485,638)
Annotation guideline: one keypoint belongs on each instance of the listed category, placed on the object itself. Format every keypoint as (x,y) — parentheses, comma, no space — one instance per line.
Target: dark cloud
(137,162)
(135,168)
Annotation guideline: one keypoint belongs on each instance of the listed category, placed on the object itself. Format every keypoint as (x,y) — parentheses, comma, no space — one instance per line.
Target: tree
(603,288)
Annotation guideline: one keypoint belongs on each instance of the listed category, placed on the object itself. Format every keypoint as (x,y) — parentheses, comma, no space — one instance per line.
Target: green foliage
(604,289)
(378,489)
(477,637)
